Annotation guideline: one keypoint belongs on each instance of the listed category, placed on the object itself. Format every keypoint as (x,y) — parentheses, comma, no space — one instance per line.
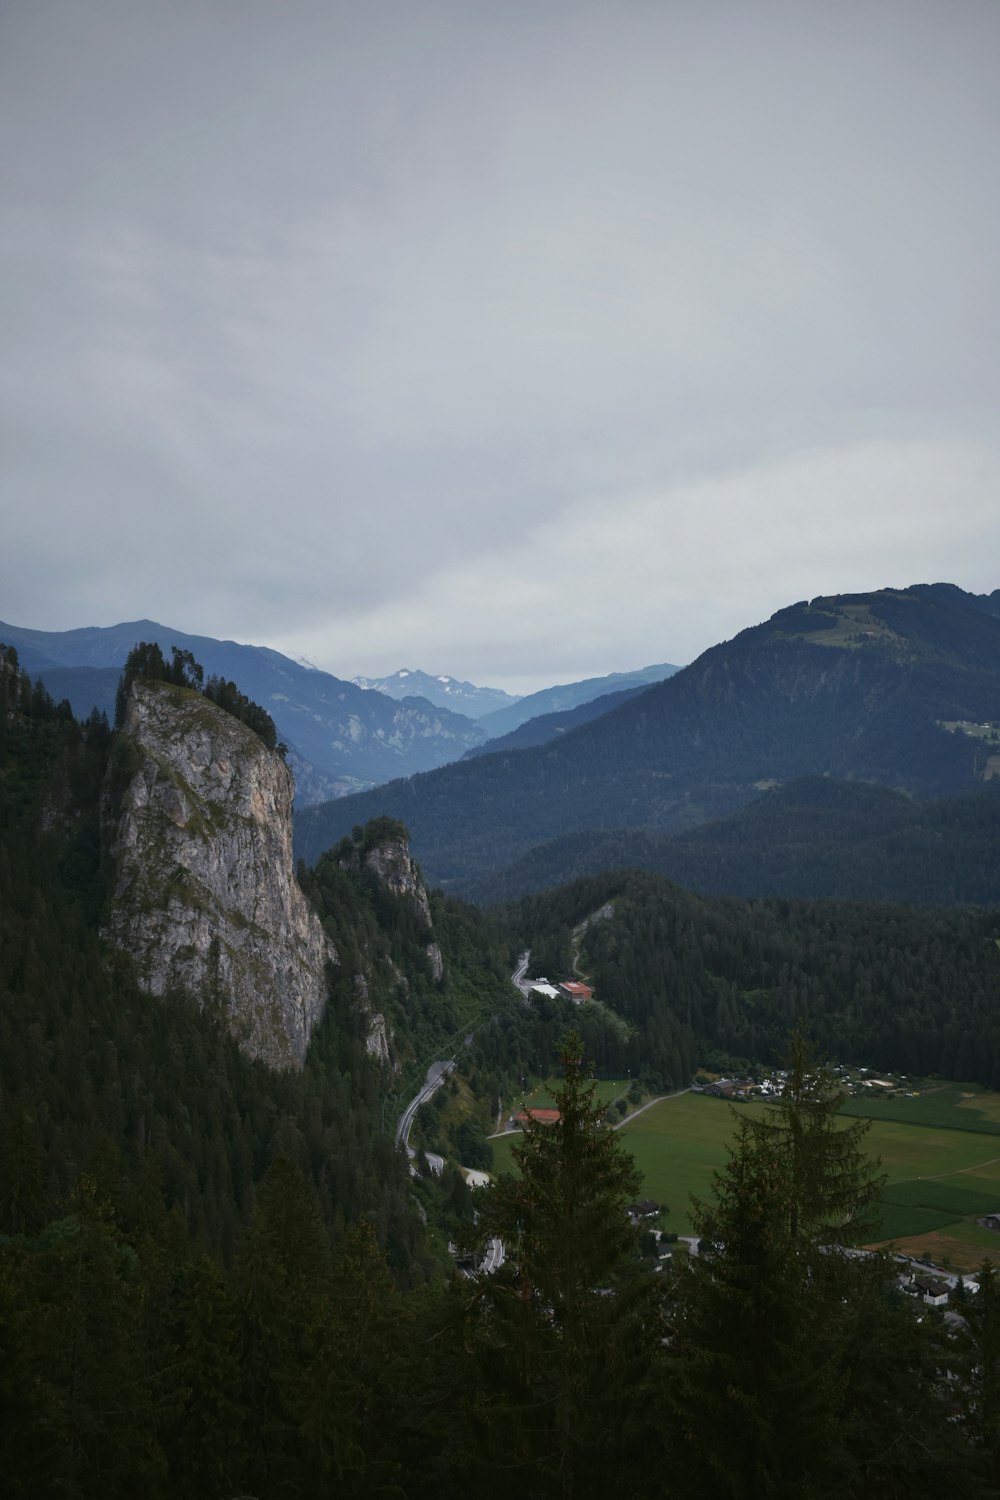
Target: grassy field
(940,1152)
(539,1094)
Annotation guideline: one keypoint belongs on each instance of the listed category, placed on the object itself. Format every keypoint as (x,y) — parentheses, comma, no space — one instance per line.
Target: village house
(542,987)
(933,1292)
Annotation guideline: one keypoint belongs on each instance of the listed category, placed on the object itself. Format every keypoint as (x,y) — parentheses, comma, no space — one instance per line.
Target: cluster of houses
(644,1212)
(851,1080)
(932,1285)
(570,989)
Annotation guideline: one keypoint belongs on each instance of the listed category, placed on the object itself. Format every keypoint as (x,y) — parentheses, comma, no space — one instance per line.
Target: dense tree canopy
(220,1280)
(722,981)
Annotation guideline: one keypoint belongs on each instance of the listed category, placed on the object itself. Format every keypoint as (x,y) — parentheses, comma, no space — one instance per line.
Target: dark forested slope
(196,1253)
(549,726)
(710,978)
(812,838)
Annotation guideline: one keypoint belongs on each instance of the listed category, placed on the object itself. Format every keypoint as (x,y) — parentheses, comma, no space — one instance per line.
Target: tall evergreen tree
(752,1405)
(566,1331)
(832,1186)
(799,1370)
(22,1172)
(979,1378)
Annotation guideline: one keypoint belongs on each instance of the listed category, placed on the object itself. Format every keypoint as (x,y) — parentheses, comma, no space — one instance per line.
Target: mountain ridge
(442,691)
(855,686)
(568,695)
(340,733)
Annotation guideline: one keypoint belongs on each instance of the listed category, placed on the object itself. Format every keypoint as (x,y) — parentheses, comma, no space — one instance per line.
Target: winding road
(436,1075)
(493,1258)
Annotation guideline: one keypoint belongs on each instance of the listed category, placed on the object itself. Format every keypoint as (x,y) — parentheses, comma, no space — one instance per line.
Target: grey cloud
(325,321)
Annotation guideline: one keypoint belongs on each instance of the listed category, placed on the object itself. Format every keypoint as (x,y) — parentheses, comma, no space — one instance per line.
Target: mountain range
(899,688)
(220,1273)
(342,737)
(444,692)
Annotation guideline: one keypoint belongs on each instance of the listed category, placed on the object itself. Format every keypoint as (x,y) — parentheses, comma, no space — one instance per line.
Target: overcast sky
(519,341)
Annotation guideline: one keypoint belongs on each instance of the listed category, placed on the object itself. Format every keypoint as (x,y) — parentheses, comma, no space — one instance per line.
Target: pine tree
(832,1185)
(752,1397)
(979,1377)
(767,1334)
(278,1285)
(22,1172)
(204,1434)
(566,1331)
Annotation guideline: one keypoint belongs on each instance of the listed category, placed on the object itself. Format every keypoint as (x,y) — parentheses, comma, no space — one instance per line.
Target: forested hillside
(708,979)
(134,1089)
(549,726)
(221,1279)
(813,839)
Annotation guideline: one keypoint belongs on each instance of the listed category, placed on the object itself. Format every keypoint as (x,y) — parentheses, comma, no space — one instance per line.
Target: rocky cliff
(205,898)
(390,862)
(385,853)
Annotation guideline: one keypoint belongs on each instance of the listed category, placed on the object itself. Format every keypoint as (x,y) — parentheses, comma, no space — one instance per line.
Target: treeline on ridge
(147,662)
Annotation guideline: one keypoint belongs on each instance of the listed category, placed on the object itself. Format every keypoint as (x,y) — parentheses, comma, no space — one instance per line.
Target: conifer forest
(220,1279)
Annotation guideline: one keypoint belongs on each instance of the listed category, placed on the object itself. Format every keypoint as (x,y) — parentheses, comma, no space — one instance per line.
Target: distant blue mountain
(343,738)
(444,692)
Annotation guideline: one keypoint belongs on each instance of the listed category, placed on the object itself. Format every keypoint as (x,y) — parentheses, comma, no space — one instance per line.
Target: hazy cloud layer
(521,342)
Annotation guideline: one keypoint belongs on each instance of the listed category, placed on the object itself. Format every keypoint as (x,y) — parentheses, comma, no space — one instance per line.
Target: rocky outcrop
(377,1040)
(436,960)
(389,861)
(205,897)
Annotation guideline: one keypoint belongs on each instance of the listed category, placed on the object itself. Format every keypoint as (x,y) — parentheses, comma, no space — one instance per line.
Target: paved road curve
(519,976)
(436,1075)
(494,1257)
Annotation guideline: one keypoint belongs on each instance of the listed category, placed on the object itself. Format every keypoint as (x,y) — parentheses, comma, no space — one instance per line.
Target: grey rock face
(437,960)
(391,863)
(205,897)
(377,1040)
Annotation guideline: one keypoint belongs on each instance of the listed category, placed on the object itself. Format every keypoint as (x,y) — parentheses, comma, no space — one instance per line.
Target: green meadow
(940,1152)
(539,1094)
